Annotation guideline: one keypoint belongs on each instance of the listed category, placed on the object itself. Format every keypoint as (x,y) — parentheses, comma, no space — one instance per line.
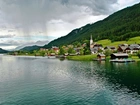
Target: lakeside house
(55,49)
(111,48)
(43,49)
(125,48)
(119,56)
(77,50)
(133,48)
(122,47)
(101,57)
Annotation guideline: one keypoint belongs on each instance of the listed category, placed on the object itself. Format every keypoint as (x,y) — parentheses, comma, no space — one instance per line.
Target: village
(119,53)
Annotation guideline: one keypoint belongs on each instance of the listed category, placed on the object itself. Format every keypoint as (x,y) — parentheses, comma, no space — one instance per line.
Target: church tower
(91,41)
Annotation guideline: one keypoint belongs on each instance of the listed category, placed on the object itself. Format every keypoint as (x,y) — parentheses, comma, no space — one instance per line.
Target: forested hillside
(3,51)
(30,48)
(119,26)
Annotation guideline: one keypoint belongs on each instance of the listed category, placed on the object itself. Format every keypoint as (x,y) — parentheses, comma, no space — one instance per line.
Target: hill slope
(119,26)
(3,51)
(107,42)
(30,48)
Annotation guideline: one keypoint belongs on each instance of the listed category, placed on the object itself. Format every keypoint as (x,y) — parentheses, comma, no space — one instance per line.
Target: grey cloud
(7,36)
(99,7)
(11,30)
(35,14)
(9,43)
(4,44)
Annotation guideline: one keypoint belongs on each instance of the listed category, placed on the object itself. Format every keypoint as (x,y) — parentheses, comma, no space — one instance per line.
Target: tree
(81,51)
(86,50)
(108,52)
(100,50)
(61,51)
(138,53)
(70,50)
(78,44)
(41,53)
(35,52)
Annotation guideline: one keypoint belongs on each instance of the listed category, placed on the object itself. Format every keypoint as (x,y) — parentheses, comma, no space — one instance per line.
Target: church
(94,47)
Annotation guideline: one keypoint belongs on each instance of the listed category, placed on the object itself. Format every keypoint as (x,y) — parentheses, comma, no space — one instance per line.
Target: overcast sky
(28,21)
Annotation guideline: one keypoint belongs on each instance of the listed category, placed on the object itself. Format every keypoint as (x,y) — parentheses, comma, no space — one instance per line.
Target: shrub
(138,54)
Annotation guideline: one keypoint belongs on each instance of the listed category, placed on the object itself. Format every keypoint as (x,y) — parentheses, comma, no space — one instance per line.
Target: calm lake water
(43,81)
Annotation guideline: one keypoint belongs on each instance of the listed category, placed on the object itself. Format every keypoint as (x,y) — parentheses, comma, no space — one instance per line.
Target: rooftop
(120,54)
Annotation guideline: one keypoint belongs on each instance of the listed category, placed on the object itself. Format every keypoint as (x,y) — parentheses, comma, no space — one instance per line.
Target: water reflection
(38,80)
(124,74)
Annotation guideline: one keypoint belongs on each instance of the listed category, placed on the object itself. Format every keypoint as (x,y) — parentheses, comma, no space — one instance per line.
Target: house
(119,56)
(111,48)
(84,45)
(139,47)
(101,56)
(133,48)
(122,47)
(15,53)
(43,49)
(55,49)
(94,47)
(77,50)
(70,46)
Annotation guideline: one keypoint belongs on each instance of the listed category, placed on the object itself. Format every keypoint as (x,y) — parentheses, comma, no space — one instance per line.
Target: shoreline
(91,57)
(79,57)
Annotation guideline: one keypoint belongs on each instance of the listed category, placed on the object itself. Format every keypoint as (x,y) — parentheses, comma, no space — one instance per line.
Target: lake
(42,81)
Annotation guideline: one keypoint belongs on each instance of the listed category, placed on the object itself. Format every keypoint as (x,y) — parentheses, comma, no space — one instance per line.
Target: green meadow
(107,42)
(82,57)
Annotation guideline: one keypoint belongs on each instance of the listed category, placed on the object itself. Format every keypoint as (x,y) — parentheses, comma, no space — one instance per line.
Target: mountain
(119,26)
(30,48)
(3,51)
(38,43)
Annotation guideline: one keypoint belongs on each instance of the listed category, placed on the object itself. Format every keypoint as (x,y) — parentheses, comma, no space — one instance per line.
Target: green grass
(136,58)
(107,42)
(82,57)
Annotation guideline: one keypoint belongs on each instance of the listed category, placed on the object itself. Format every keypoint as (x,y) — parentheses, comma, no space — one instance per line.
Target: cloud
(26,21)
(11,31)
(9,44)
(30,15)
(7,36)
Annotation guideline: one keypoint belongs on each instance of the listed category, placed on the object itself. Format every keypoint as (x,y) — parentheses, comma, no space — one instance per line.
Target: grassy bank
(136,58)
(91,57)
(82,57)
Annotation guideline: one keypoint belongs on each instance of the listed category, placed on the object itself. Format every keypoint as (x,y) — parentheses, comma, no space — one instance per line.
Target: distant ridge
(38,43)
(119,26)
(3,51)
(30,48)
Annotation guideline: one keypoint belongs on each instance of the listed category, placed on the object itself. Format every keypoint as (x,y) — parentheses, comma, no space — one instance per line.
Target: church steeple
(91,40)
